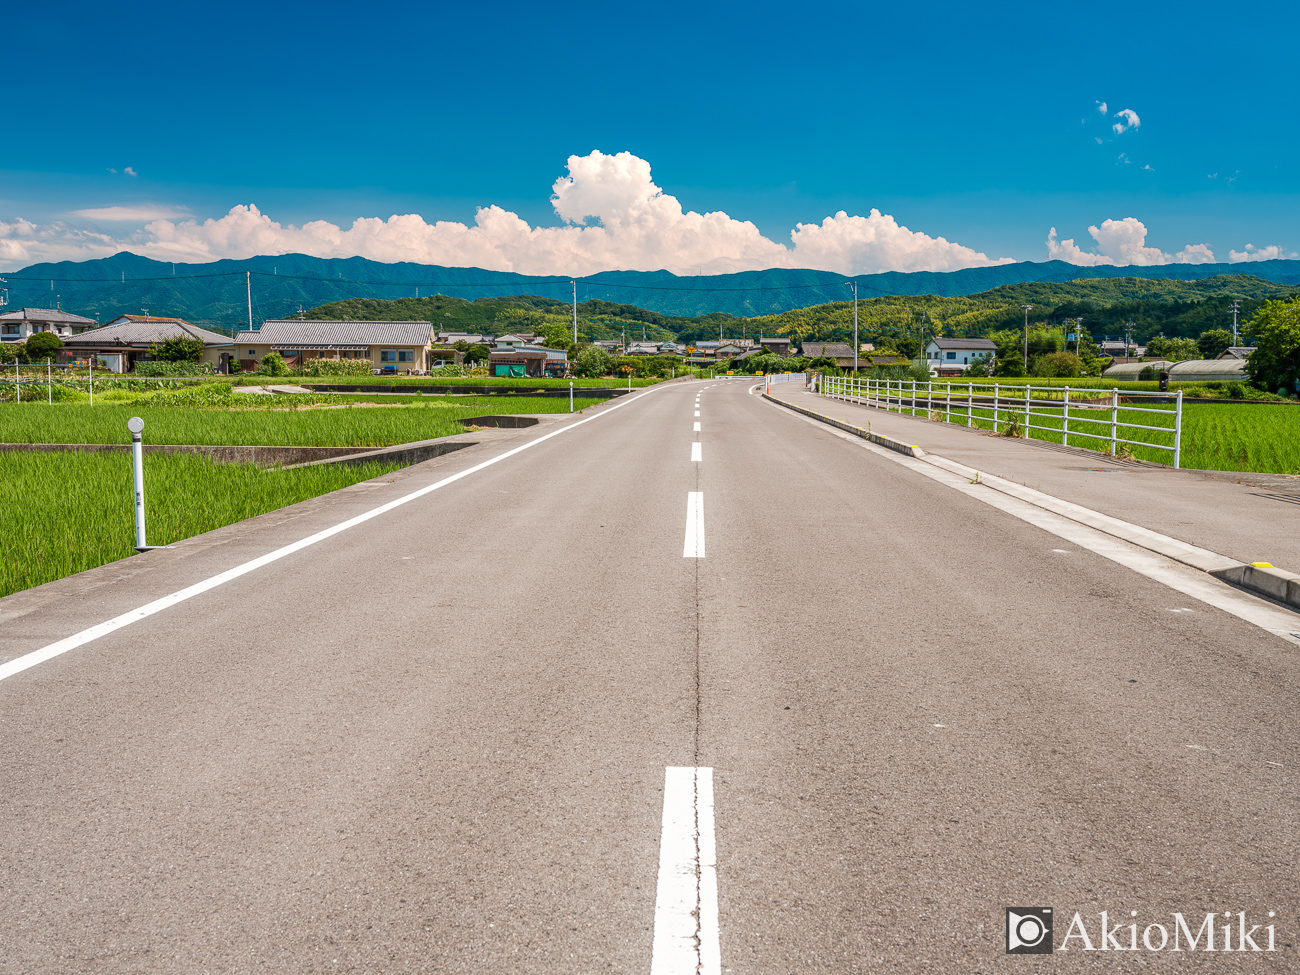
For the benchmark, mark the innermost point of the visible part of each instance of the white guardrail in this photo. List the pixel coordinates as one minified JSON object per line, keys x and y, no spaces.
{"x":1085,"y":414}
{"x":782,"y":377}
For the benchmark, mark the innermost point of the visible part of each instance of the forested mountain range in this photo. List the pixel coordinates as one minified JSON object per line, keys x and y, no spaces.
{"x":215,"y":294}
{"x":1106,"y":305}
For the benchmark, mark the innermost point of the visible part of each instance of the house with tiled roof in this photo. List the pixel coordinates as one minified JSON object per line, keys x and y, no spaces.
{"x":22,"y":324}
{"x":841,"y":352}
{"x":128,"y":339}
{"x":394,"y":347}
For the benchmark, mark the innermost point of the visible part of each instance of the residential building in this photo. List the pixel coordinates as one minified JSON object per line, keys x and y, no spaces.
{"x":128,"y":339}
{"x":841,"y":352}
{"x":20,"y":325}
{"x":777,"y":346}
{"x":950,"y":356}
{"x":393,"y":347}
{"x":1236,"y":352}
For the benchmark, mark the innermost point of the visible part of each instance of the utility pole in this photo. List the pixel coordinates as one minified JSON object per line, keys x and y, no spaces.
{"x":1128,"y":339}
{"x":248,"y":283}
{"x":1235,"y":303}
{"x":854,"y":285}
{"x":1028,"y":309}
{"x":1078,"y":334}
{"x":575,"y":311}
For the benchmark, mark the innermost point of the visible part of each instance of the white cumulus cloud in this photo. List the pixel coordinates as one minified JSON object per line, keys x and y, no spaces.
{"x":1122,"y":243}
{"x":1130,"y":121}
{"x":1252,"y":253}
{"x":130,"y":172}
{"x":614,"y":218}
{"x":1101,"y":107}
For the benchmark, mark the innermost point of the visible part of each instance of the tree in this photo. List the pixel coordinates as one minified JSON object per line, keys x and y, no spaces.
{"x":42,"y":346}
{"x":1062,"y":365}
{"x":273,"y":364}
{"x":178,"y":348}
{"x":1012,"y":366}
{"x":557,"y":335}
{"x":10,"y":351}
{"x":1275,"y":363}
{"x":1175,"y":350}
{"x":593,"y":362}
{"x":476,"y":353}
{"x":982,"y":364}
{"x":1214,"y":343}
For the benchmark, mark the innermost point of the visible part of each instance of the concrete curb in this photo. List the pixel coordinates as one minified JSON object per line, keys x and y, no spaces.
{"x":911,"y":450}
{"x":1260,"y":578}
{"x":1265,"y":580}
{"x":404,"y":453}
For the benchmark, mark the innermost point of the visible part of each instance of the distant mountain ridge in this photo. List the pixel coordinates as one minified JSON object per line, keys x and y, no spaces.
{"x":215,"y":293}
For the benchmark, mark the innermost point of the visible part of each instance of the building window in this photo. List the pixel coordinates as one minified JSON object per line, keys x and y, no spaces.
{"x":388,"y":355}
{"x":952,"y":355}
{"x":406,"y":355}
{"x":252,"y":352}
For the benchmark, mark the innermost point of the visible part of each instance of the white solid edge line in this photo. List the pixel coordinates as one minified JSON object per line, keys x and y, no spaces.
{"x":686,"y":939}
{"x":693,"y":547}
{"x":1176,"y":575}
{"x":28,"y":660}
{"x":696,"y":449}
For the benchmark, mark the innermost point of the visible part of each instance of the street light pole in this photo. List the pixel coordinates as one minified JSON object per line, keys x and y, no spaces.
{"x":1028,"y":309}
{"x":854,"y":286}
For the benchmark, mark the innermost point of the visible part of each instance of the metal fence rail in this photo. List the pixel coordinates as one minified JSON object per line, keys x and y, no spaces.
{"x":1085,"y":414}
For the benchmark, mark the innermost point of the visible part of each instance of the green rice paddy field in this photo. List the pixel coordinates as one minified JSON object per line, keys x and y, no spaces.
{"x":346,"y":425}
{"x":1216,"y":437}
{"x":73,"y":511}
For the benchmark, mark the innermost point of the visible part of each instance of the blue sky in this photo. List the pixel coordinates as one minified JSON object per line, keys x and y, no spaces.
{"x":980,"y":125}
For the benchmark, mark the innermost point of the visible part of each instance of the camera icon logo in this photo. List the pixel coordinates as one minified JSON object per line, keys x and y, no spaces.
{"x":1029,"y":930}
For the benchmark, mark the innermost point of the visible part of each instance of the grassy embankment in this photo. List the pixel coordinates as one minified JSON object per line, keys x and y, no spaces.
{"x":72,"y":512}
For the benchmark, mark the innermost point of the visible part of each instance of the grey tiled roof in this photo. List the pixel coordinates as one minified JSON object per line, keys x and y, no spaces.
{"x":947,"y":343}
{"x":831,"y":350}
{"x":145,"y":333}
{"x":292,"y":332}
{"x":44,"y":315}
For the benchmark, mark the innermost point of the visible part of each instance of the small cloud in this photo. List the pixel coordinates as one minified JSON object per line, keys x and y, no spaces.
{"x":112,"y":170}
{"x":1101,"y":107}
{"x":1123,"y":157}
{"x":1147,"y":167}
{"x":1131,"y":121}
{"x":130,"y":172}
{"x":1252,"y":253}
{"x":1098,"y":138}
{"x":1211,"y":175}
{"x":131,"y":214}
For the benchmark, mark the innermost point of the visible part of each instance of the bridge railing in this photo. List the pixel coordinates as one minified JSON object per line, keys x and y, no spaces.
{"x":1098,"y":419}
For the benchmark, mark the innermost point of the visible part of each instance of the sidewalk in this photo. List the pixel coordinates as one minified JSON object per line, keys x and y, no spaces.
{"x":1249,"y":517}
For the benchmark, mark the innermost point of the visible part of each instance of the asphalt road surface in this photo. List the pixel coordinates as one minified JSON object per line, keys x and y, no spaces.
{"x":439,"y":741}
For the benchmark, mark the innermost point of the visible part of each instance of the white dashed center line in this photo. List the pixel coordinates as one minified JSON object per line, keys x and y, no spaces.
{"x":695,"y":451}
{"x":694,"y":546}
{"x":686,"y":938}
{"x":697,"y":426}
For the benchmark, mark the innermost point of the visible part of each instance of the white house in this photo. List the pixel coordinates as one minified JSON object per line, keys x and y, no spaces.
{"x":955,"y":355}
{"x":20,"y":325}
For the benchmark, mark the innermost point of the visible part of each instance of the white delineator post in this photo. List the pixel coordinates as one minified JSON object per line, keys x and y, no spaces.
{"x":570,"y":395}
{"x":92,"y":379}
{"x":136,"y":426}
